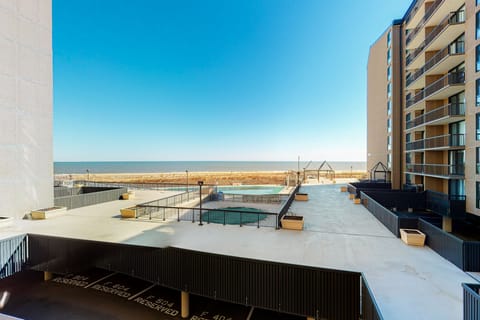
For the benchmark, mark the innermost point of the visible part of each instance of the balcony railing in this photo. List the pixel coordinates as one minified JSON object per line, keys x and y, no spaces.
{"x":443,"y":170}
{"x":455,"y":48}
{"x":445,"y":141}
{"x":449,"y":110}
{"x":414,"y":10}
{"x":451,"y":19}
{"x":449,"y":79}
{"x":425,"y":18}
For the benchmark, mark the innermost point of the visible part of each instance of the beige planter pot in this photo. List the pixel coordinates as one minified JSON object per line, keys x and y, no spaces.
{"x":351,"y":196}
{"x":129,"y":212}
{"x":357,"y":201}
{"x":47,"y":213}
{"x":343,"y":189}
{"x":301,"y":197}
{"x":125,"y":196}
{"x":292,"y":222}
{"x":413,"y":237}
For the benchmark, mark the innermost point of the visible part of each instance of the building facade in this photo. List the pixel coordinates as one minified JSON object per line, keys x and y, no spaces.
{"x":26,"y":165}
{"x":384,"y":116}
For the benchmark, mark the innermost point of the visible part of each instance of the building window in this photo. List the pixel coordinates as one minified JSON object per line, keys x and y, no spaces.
{"x":389,"y":56}
{"x":389,"y":90}
{"x":389,"y":160}
{"x":389,"y":71}
{"x":389,"y":125}
{"x":477,"y":59}
{"x":478,"y":196}
{"x":408,"y":137}
{"x":477,"y":24}
{"x":478,"y":126}
{"x":477,"y":86}
{"x":389,"y":143}
{"x":408,"y":158}
{"x":478,"y":161}
{"x":389,"y":107}
{"x":389,"y":38}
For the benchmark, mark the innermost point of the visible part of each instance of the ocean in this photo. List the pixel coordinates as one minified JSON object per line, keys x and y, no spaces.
{"x":203,"y":166}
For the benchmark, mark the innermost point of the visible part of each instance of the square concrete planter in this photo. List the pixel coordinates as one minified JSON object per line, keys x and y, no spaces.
{"x":357,"y":201}
{"x":343,"y":189}
{"x":292,"y":222}
{"x":413,"y":237}
{"x":129,"y":212}
{"x":351,"y":196}
{"x":301,"y":197}
{"x":125,"y":196}
{"x":47,"y":213}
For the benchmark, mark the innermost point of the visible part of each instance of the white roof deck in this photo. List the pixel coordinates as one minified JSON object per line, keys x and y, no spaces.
{"x":407,"y":282}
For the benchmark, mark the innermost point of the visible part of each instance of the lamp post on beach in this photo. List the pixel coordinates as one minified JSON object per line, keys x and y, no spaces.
{"x":200,"y":184}
{"x":186,"y":171}
{"x":88,"y":175}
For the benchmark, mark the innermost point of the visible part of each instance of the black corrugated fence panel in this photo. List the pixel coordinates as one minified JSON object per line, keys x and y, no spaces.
{"x":471,"y":256}
{"x":471,"y":301}
{"x":294,"y":289}
{"x":370,"y":310}
{"x":445,"y":244}
{"x":387,"y":218}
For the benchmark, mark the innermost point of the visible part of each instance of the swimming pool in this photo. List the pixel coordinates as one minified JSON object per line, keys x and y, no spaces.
{"x":250,"y":190}
{"x":233,"y":215}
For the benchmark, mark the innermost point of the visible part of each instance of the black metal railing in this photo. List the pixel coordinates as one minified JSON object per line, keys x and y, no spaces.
{"x":455,"y":48}
{"x":13,"y":255}
{"x":414,"y":10}
{"x":449,"y":110}
{"x":451,"y":19}
{"x":471,"y":301}
{"x":445,"y":141}
{"x":426,"y":16}
{"x":452,"y":78}
{"x":443,"y":170}
{"x":287,"y":205}
{"x":208,"y":215}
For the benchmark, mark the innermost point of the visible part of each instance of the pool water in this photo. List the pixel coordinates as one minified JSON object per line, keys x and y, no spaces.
{"x":246,"y":215}
{"x":250,"y":190}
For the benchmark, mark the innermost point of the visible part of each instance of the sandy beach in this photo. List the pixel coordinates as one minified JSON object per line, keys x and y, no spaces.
{"x":222,"y":178}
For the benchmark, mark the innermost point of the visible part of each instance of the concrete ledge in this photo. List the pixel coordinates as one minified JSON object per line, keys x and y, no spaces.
{"x":47,"y":213}
{"x":6,"y":221}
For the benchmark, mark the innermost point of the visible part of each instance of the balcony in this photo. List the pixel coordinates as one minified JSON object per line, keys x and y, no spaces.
{"x":412,"y":41}
{"x":442,"y":115}
{"x":450,"y":84}
{"x":437,"y":170}
{"x":440,"y":63}
{"x":447,"y":30}
{"x":416,"y":14}
{"x":445,"y":142}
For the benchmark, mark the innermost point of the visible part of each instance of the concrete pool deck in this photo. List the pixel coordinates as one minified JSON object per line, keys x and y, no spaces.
{"x":407,"y":282}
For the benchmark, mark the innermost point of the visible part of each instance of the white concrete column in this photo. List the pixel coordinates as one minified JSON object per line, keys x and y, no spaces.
{"x":185,"y":304}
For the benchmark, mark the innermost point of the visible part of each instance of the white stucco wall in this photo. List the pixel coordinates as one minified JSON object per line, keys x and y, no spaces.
{"x":26,"y":164}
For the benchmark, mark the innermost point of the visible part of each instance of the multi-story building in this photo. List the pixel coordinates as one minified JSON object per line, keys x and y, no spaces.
{"x":437,"y":111}
{"x":26,"y":115}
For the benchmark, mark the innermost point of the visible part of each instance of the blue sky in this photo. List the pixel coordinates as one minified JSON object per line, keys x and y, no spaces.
{"x":213,"y":80}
